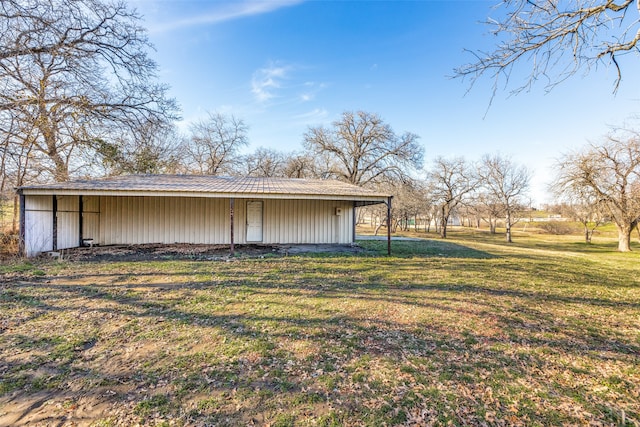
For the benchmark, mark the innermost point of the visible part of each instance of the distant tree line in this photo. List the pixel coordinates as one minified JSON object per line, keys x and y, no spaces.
{"x":492,"y":189}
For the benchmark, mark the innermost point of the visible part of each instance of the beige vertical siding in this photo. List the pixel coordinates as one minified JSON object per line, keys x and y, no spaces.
{"x":68,"y":220}
{"x":135,"y":220}
{"x":38,"y":228}
{"x":38,"y":232}
{"x":91,"y":218}
{"x":38,"y":203}
{"x":307,"y":221}
{"x":38,"y":224}
{"x":240,"y":221}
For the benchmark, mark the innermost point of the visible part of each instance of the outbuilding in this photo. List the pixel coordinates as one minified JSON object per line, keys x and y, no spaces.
{"x":198,"y":209}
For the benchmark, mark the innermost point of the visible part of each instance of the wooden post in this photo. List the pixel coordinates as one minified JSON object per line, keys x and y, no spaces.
{"x":80,"y":223}
{"x":55,"y":223}
{"x":231,"y":208}
{"x":389,"y":225}
{"x":23,"y":210}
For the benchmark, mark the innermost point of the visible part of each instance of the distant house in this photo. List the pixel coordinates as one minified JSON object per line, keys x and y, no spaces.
{"x":137,"y":209}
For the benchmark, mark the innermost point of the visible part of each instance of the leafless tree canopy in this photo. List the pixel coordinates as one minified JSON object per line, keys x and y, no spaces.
{"x":557,"y":39}
{"x":214,"y":145}
{"x":267,"y":162}
{"x":361,"y":149}
{"x":300,"y":165}
{"x":450,"y":182}
{"x":71,"y":70}
{"x":505,"y":183}
{"x":609,"y":173}
{"x":264,"y":162}
{"x":488,"y":208}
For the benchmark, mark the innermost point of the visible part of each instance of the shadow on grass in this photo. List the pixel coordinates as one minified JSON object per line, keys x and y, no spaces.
{"x":423,"y":248}
{"x":596,"y":247}
{"x":245,"y":319}
{"x":527,"y":240}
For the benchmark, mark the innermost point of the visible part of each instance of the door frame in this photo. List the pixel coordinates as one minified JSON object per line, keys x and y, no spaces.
{"x":261,"y":202}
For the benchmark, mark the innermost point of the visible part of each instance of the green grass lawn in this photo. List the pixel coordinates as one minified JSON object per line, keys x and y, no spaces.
{"x":467,"y":331}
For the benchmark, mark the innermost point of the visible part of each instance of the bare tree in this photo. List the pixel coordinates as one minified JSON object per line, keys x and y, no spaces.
{"x":589,"y":213}
{"x":214,"y":144}
{"x":300,"y":165}
{"x":15,"y":159}
{"x":488,"y":208}
{"x":72,"y":70}
{"x":580,"y":204}
{"x":411,"y":200}
{"x":264,"y":162}
{"x":362,"y":149}
{"x":558,"y":39}
{"x":506,"y":183}
{"x":410,"y":203}
{"x":450,"y":182}
{"x":609,"y":173}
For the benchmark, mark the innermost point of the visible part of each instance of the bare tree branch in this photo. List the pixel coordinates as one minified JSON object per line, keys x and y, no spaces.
{"x":214,"y":144}
{"x":451,"y":181}
{"x":505,"y":183}
{"x":76,"y":70}
{"x":557,"y":39}
{"x":609,"y":173}
{"x":362,"y":149}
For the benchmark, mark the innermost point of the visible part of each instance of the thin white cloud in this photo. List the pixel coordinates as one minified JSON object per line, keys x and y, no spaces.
{"x":280,"y":80}
{"x":266,"y":81}
{"x":225,"y":11}
{"x":311,"y":89}
{"x":313,"y":117}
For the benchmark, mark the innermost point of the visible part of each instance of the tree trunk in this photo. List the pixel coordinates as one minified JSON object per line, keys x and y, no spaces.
{"x":624,"y":237}
{"x":508,"y":226}
{"x":375,"y":233}
{"x":49,"y":133}
{"x":61,"y":173}
{"x":443,"y":224}
{"x":16,"y":215}
{"x":587,"y":235}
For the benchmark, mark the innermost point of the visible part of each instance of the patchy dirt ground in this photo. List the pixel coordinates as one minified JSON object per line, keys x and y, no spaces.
{"x":183,"y":251}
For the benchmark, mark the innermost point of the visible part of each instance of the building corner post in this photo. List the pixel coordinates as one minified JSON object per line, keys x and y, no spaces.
{"x":80,"y":221}
{"x":55,"y":223}
{"x":389,"y":225}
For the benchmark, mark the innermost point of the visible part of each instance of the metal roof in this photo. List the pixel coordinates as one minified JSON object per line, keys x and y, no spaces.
{"x":210,"y":186}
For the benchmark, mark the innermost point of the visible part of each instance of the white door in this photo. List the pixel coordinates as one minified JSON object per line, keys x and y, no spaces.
{"x":254,"y":221}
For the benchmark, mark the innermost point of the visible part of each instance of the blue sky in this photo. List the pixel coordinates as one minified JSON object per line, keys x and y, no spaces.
{"x":285,"y":65}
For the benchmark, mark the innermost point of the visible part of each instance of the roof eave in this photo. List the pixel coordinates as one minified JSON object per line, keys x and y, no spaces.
{"x":372,"y":199}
